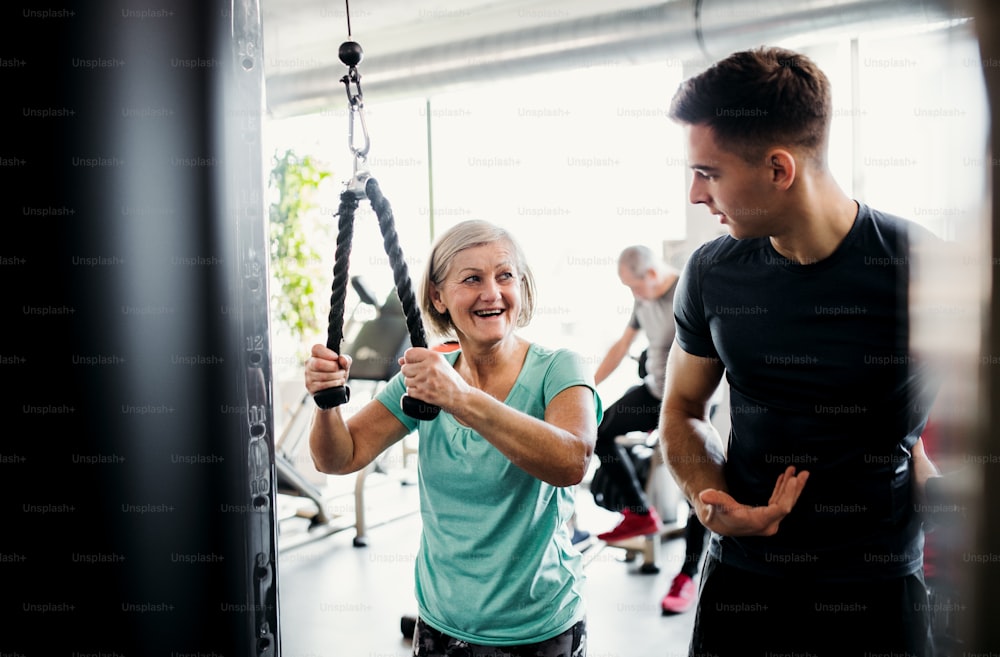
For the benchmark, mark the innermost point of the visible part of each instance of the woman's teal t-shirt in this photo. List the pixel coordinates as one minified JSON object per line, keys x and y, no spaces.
{"x":496,"y":564}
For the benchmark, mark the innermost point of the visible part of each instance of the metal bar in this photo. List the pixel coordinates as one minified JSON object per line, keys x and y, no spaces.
{"x":644,"y":34}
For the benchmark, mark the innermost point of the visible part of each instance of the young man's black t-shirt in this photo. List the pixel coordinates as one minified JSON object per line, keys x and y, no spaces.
{"x":821,"y":377}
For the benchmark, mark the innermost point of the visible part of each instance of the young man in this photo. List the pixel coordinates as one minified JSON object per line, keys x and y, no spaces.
{"x":816,"y":545}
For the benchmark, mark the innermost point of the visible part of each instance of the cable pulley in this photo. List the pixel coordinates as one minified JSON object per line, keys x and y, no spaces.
{"x":361,"y":185}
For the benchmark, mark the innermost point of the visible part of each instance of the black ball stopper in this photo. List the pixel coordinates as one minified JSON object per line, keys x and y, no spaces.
{"x":350,"y":53}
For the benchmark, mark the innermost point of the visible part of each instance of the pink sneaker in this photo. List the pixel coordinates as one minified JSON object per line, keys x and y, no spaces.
{"x":634,"y":524}
{"x":680,"y":597}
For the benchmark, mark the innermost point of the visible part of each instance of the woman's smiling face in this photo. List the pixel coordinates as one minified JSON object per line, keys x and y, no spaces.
{"x":481,"y":292}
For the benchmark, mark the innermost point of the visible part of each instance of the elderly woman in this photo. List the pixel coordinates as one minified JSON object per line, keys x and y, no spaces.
{"x":496,"y":573}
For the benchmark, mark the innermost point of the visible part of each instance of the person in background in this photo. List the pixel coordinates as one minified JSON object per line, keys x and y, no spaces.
{"x":652,"y":284}
{"x":683,"y":591}
{"x":496,"y":572}
{"x":816,"y":543}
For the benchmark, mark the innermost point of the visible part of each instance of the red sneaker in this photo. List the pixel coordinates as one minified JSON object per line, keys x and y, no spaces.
{"x":680,"y":597}
{"x":634,"y":524}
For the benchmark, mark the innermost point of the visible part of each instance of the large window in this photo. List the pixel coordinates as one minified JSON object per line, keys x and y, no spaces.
{"x":577,"y":165}
{"x":580,"y":163}
{"x":920,"y":144}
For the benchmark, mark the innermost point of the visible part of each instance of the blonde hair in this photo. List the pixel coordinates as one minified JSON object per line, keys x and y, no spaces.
{"x":462,"y":236}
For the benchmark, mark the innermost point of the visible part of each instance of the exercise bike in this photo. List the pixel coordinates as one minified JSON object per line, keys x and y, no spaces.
{"x":375,"y":346}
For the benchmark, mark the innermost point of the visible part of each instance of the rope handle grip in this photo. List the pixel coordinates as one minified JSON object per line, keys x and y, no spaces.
{"x":351,"y":54}
{"x":331,"y":397}
{"x":415,"y":408}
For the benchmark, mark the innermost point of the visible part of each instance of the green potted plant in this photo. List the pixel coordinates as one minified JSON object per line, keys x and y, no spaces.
{"x":296,"y":225}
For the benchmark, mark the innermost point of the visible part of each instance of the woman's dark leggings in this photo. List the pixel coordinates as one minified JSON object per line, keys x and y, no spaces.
{"x":429,"y":642}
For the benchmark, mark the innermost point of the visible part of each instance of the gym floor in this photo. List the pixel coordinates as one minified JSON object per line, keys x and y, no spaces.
{"x":337,"y":599}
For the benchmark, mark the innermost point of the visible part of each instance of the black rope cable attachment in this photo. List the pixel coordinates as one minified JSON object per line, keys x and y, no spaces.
{"x":363,"y":185}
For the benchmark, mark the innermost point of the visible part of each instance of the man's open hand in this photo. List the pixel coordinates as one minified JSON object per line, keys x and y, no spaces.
{"x":723,"y":515}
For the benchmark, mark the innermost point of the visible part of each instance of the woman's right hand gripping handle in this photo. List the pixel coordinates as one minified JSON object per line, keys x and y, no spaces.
{"x":326,"y":377}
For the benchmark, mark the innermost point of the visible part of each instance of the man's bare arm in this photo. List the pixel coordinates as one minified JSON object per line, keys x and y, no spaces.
{"x":695,"y":454}
{"x":692,"y":448}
